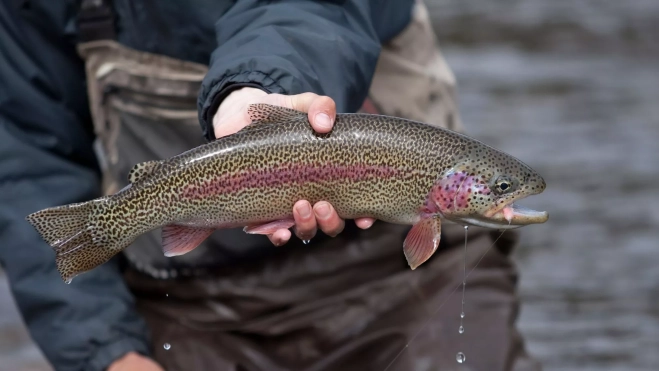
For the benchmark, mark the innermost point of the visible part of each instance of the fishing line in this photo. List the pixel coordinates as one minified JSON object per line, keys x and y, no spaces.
{"x":425,"y":324}
{"x":464,"y":281}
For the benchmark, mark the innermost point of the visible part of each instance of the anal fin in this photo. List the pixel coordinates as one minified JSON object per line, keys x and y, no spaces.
{"x":179,"y":239}
{"x":422,"y":241}
{"x":269,"y":227}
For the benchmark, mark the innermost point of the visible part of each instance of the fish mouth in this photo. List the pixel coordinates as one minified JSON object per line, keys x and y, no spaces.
{"x":508,"y":217}
{"x":520,"y":215}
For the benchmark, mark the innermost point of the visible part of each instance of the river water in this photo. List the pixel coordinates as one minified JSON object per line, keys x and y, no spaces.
{"x":572,"y":88}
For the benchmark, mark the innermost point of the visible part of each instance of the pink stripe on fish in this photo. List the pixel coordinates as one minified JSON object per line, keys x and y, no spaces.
{"x":287,"y":174}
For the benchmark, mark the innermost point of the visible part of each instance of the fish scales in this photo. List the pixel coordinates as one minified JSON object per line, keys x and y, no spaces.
{"x":260,"y":173}
{"x":388,"y":168}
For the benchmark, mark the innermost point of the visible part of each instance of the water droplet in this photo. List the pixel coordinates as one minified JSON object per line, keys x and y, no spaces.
{"x":167,"y":295}
{"x":68,"y":281}
{"x":462,"y":315}
{"x":306,"y":242}
{"x":167,"y":346}
{"x":461,"y":329}
{"x":460,"y":357}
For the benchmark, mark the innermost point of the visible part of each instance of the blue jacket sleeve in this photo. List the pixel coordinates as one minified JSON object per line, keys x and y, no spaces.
{"x":291,"y":47}
{"x":46,"y":160}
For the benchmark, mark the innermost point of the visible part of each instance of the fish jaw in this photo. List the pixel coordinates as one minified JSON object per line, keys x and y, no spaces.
{"x":509,"y":217}
{"x":520,"y":215}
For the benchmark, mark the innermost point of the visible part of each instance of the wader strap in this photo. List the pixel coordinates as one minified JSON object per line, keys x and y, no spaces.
{"x":96,"y":21}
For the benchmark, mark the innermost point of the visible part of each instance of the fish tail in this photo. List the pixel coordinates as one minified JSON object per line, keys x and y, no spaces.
{"x":71,"y":232}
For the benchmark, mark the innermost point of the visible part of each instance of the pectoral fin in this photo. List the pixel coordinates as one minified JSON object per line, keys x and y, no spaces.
{"x":179,"y":239}
{"x":422,"y":241}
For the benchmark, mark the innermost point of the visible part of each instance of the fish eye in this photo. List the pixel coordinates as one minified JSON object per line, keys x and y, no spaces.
{"x":503,"y":184}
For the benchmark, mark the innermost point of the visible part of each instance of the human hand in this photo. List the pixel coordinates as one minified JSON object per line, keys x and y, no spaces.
{"x":134,"y":362}
{"x":232,"y":116}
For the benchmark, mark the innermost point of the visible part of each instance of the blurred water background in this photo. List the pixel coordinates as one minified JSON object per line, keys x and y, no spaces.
{"x":572,"y":88}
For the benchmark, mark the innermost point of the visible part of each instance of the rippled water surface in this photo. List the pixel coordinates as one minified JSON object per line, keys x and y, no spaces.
{"x":572,"y":88}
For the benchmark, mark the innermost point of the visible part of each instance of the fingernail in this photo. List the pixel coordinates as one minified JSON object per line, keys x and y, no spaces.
{"x":304,"y":210}
{"x":323,"y":210}
{"x":367,"y":224}
{"x":322,"y":120}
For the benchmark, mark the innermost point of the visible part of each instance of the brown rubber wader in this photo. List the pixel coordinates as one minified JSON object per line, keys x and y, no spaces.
{"x":344,"y":303}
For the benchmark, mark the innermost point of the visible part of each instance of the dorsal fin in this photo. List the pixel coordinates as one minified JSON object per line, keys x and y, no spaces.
{"x":142,"y":171}
{"x":263,"y":113}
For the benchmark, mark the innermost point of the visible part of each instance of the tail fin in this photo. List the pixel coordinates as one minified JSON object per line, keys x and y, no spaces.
{"x":69,"y":230}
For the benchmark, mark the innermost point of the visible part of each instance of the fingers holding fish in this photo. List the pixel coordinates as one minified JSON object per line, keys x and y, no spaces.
{"x":305,"y":220}
{"x":328,"y":219}
{"x":308,"y":220}
{"x":321,"y":109}
{"x":232,"y":114}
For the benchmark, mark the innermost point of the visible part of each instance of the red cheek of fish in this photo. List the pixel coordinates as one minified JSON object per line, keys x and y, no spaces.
{"x":456,"y":192}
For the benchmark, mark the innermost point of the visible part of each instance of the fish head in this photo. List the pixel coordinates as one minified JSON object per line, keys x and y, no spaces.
{"x":482,"y":187}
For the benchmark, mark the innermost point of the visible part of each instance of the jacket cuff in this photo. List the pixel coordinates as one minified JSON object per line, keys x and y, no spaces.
{"x":104,"y":356}
{"x":221,"y":89}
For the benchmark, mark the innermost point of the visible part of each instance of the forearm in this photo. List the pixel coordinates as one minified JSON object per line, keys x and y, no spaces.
{"x":329,"y":48}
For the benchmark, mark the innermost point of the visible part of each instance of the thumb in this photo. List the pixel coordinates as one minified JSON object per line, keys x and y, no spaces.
{"x":321,"y":110}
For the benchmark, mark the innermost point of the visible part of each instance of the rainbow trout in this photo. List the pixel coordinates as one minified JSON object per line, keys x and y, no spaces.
{"x":388,"y":168}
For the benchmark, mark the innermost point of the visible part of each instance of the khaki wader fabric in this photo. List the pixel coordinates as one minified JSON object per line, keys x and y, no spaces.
{"x":344,"y":303}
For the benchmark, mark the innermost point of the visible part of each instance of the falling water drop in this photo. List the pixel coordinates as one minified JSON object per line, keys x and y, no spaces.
{"x":306,"y":242}
{"x":464,"y":281}
{"x":460,"y":357}
{"x":167,"y":346}
{"x":68,"y":281}
{"x":167,"y":295}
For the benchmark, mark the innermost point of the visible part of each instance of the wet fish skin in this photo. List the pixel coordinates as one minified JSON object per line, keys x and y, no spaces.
{"x":391,"y":169}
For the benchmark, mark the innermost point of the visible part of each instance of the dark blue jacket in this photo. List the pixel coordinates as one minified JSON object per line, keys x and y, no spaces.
{"x":46,"y":158}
